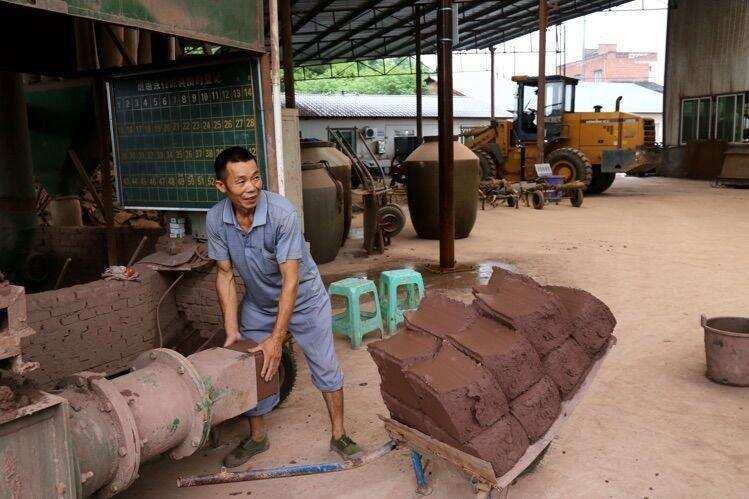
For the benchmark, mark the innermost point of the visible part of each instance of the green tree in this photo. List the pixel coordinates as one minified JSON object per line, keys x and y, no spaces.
{"x":363,"y":77}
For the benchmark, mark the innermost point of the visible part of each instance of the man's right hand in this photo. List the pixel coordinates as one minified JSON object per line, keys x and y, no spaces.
{"x":231,"y":338}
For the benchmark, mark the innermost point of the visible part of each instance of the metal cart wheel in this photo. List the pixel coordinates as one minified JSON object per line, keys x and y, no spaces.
{"x":392,"y":218}
{"x":538,"y":200}
{"x":576,"y":198}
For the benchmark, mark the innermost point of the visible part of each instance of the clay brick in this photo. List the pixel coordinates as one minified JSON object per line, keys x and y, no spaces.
{"x":119,"y":304}
{"x":439,"y":315}
{"x":459,"y":395}
{"x":567,"y":366}
{"x":525,"y":306}
{"x":538,"y":408}
{"x":591,"y":320}
{"x":396,"y":353}
{"x":48,"y":325}
{"x":503,"y":444}
{"x":506,"y":353}
{"x":264,"y":388}
{"x":68,"y":308}
{"x":102,"y":298}
{"x":36,"y":316}
{"x":66,"y":320}
{"x":103,"y":309}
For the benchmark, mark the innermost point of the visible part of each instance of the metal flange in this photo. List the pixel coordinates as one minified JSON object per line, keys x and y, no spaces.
{"x":200,"y":423}
{"x":114,"y":403}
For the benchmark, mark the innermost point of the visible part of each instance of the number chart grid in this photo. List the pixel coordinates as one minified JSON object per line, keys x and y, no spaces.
{"x":169,"y":127}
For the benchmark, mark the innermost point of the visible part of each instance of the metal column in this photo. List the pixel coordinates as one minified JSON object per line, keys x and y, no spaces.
{"x":275,"y":82}
{"x":445,"y":127}
{"x":101,"y":109}
{"x":491,"y":91}
{"x":419,"y":82}
{"x":284,"y":11}
{"x":541,"y":106}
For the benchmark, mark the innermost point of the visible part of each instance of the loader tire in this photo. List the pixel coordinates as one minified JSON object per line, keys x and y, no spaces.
{"x":572,"y":164}
{"x":601,"y":181}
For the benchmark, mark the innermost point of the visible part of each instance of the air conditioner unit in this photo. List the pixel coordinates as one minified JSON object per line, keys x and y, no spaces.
{"x":368,"y":132}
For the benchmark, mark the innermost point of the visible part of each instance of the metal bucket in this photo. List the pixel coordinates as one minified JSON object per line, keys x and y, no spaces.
{"x":727,"y":349}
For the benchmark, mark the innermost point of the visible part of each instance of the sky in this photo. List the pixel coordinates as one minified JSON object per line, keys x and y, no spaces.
{"x":637,"y":26}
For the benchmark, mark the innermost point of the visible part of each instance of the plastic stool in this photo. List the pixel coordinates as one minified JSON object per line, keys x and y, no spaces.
{"x":355,"y":323}
{"x":390,"y":281}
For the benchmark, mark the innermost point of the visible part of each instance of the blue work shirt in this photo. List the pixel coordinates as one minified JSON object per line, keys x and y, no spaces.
{"x":274,"y":237}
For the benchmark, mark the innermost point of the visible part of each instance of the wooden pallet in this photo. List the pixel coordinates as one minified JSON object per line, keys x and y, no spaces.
{"x":479,"y":471}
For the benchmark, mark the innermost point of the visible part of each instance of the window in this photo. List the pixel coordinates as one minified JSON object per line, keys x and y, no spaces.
{"x":695,"y":119}
{"x":598,"y":75}
{"x":348,"y":135}
{"x":730,"y":117}
{"x":569,"y":98}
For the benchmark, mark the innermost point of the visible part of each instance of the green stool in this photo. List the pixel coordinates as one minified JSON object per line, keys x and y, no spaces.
{"x":390,"y":281}
{"x":355,"y":323}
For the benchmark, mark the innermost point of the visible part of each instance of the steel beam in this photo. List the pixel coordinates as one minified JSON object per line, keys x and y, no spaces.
{"x":419,"y":82}
{"x":541,"y":99}
{"x":284,"y":13}
{"x":445,"y":130}
{"x":311,"y":13}
{"x":338,"y":24}
{"x":372,"y":22}
{"x":491,"y":82}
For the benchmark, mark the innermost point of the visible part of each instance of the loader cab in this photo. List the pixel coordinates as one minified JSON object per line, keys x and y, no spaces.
{"x":560,"y":99}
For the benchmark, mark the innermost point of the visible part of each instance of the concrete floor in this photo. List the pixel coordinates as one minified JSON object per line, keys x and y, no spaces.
{"x":659,"y":252}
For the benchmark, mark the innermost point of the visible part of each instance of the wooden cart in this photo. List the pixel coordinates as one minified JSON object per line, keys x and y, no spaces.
{"x":480,"y":472}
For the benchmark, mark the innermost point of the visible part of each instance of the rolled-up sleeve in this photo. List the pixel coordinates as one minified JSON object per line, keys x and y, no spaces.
{"x":289,"y":239}
{"x":217,"y":246}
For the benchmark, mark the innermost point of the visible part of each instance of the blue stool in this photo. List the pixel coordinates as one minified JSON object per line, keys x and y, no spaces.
{"x":355,"y":323}
{"x":390,"y":281}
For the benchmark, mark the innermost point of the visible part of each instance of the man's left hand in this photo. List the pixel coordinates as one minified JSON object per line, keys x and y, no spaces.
{"x":271,"y":348}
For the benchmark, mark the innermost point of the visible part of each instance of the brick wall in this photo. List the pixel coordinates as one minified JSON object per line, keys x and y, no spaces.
{"x":87,"y":247}
{"x":197,"y":300}
{"x":101,"y":326}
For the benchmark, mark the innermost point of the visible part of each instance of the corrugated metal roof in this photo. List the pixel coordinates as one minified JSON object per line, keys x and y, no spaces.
{"x":383,"y":106}
{"x":475,"y":104}
{"x":635,"y":98}
{"x":346,"y":30}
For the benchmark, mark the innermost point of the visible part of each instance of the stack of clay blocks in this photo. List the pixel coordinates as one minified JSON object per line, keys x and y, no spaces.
{"x":489,"y":378}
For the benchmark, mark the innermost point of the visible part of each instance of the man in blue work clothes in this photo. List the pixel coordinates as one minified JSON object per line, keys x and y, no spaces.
{"x":258,"y":233}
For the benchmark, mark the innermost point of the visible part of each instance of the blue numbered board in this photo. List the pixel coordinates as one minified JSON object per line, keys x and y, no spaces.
{"x":168,"y":126}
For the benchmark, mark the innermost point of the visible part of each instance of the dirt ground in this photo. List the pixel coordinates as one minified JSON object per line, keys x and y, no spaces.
{"x":659,"y":252}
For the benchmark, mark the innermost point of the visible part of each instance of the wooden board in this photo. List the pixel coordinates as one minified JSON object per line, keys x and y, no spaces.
{"x":478,"y":468}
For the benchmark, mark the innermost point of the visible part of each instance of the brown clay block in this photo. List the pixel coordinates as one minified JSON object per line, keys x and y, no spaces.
{"x":460,"y":396}
{"x":528,"y":308}
{"x":264,"y":388}
{"x":567,"y":366}
{"x":506,"y":353}
{"x":538,"y":408}
{"x":394,"y":354}
{"x":403,"y":412}
{"x":502,"y":445}
{"x":413,"y":418}
{"x":591,"y":320}
{"x":501,"y":277}
{"x":439,"y":315}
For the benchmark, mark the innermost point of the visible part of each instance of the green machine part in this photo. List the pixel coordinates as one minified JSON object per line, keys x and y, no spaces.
{"x":234,"y":23}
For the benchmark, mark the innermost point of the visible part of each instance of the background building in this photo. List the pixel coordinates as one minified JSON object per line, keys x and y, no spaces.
{"x":707,"y":77}
{"x":606,"y":64}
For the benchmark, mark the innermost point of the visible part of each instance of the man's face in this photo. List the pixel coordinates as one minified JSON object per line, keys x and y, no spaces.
{"x":242,"y":185}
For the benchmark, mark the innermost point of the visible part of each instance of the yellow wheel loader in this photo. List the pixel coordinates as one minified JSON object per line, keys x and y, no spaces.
{"x":590,"y":146}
